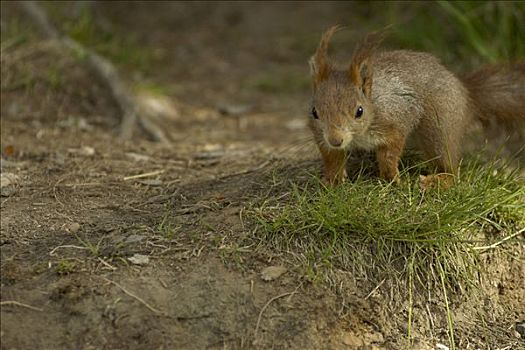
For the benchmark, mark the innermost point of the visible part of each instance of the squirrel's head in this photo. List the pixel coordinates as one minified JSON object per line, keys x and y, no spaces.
{"x":341,"y":104}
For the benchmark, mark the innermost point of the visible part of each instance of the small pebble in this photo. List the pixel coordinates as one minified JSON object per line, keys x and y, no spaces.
{"x":84,"y":151}
{"x":520,"y":328}
{"x":8,"y":183}
{"x":73,"y":227}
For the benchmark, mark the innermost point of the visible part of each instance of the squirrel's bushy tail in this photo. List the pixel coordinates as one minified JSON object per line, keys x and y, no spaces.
{"x":498,"y":96}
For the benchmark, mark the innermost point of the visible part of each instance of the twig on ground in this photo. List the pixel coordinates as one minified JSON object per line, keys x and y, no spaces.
{"x":108,"y":265}
{"x":17,"y":303}
{"x":139,"y":176}
{"x":104,"y":69}
{"x":264,"y":308}
{"x":376,"y":288}
{"x":246,"y":171}
{"x":52,"y":253}
{"x":139,"y":299}
{"x":84,"y":184}
{"x":495,"y":244}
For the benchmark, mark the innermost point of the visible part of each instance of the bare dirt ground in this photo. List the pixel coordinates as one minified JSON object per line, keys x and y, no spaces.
{"x":77,"y":215}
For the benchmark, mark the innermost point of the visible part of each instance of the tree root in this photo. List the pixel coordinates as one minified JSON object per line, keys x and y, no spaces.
{"x":104,"y":70}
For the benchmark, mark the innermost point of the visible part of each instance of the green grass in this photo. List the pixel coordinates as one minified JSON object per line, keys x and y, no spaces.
{"x":165,"y":228}
{"x":65,"y":267}
{"x":121,"y":49}
{"x":468,"y":33}
{"x":14,"y":34}
{"x":477,"y":23}
{"x":377,"y":227}
{"x":420,"y":243}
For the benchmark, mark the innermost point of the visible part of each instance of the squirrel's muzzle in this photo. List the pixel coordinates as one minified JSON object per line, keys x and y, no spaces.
{"x":335,"y":140}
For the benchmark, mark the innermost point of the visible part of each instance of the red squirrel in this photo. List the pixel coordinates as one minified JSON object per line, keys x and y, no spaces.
{"x":384,"y":97}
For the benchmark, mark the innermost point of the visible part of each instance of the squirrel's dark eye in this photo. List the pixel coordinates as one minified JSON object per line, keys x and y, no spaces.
{"x":359,"y":112}
{"x":314,"y":113}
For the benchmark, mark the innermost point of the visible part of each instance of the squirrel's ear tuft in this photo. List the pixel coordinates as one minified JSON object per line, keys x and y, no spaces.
{"x":361,"y":67}
{"x":319,"y":64}
{"x":314,"y":66}
{"x":361,"y":75}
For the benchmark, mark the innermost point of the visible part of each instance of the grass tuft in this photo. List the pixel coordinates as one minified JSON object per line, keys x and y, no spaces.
{"x":65,"y":267}
{"x":396,"y":232}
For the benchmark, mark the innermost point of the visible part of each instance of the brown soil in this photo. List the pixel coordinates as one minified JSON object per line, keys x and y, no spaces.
{"x":74,"y":219}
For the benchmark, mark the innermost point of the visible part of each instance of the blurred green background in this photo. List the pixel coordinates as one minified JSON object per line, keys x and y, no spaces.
{"x":225,"y":50}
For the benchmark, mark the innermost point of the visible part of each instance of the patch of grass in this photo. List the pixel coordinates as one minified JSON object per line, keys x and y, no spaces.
{"x":13,"y":34}
{"x":93,"y":249}
{"x":120,"y":49}
{"x":464,"y":32}
{"x":477,"y":22}
{"x":165,"y":228}
{"x":395,"y":232}
{"x":54,"y":78}
{"x":65,"y":267}
{"x":420,"y":243}
{"x":21,"y":77}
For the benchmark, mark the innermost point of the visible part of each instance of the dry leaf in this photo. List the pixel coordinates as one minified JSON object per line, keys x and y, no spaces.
{"x":272,"y":272}
{"x":8,"y":182}
{"x":139,"y":259}
{"x":9,"y":151}
{"x":84,"y":151}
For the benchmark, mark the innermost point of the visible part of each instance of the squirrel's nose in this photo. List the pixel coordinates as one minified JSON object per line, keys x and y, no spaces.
{"x":335,"y":141}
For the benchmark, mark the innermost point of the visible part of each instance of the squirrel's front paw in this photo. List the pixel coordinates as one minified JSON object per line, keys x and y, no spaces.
{"x":334,"y":179}
{"x":443,"y":181}
{"x":391,"y":176}
{"x":397,"y":179}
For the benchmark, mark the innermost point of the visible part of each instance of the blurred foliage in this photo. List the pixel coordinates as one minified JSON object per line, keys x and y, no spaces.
{"x":286,"y":81}
{"x":479,"y":22}
{"x":14,"y":33}
{"x":120,"y":48}
{"x":464,"y":32}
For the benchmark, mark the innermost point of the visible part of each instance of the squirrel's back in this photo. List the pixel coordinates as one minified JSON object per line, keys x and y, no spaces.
{"x":410,"y":86}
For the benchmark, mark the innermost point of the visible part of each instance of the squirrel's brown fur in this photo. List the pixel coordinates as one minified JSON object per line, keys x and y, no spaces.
{"x":497,"y":94}
{"x":382,"y":98}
